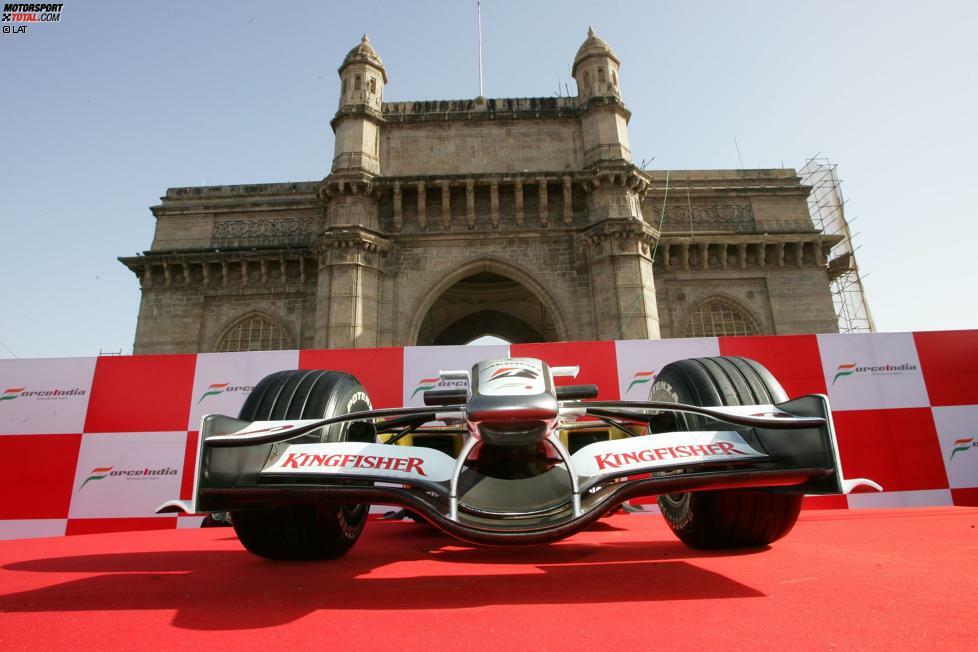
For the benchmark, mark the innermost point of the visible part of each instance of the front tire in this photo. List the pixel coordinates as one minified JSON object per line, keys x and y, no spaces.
{"x":732,"y":518}
{"x":309,"y":530}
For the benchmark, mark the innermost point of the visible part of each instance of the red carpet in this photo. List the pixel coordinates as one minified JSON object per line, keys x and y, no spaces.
{"x":881,"y":580}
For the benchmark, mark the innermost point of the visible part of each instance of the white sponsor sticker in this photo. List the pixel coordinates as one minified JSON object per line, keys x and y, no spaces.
{"x":957,"y":431}
{"x":922,"y":498}
{"x":32,"y":528}
{"x":649,"y":452}
{"x":223,"y":381}
{"x":422,"y":364}
{"x":127,"y":474}
{"x":511,"y":377}
{"x":872,"y":371}
{"x":44,"y":396}
{"x":357,"y":458}
{"x":189,"y":522}
{"x":640,"y":361}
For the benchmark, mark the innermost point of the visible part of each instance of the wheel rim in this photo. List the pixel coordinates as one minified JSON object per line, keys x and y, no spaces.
{"x":676,"y":500}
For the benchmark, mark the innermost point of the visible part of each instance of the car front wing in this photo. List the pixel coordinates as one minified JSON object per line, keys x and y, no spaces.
{"x":788,"y":447}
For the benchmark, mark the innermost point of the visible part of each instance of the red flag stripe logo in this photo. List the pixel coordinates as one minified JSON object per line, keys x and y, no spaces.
{"x":213,"y":390}
{"x":425,"y":384}
{"x":962,"y":445}
{"x":11,"y":393}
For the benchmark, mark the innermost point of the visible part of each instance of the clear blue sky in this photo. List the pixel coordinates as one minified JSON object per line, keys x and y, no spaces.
{"x":120,"y":100}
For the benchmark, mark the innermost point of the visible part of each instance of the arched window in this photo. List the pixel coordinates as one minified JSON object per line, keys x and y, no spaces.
{"x":356,"y":82}
{"x":718,"y":316}
{"x":255,"y":332}
{"x":600,"y":75}
{"x":587,"y":83}
{"x":373,"y":85}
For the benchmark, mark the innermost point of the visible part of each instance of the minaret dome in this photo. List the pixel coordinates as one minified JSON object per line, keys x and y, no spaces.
{"x":362,"y":77}
{"x":596,"y":69}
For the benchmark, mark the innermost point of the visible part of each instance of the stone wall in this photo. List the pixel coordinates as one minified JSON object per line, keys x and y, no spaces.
{"x":782,"y":302}
{"x":801,"y":303}
{"x":743,"y":201}
{"x":193,"y":319}
{"x":273,"y":214}
{"x":765,"y":209}
{"x":169,"y":321}
{"x":510,"y":146}
{"x":287,"y":308}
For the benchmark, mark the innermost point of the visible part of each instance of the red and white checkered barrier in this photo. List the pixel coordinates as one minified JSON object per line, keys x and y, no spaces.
{"x":95,"y":444}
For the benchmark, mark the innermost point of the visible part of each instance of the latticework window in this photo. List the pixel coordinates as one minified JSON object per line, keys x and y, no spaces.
{"x":255,"y":333}
{"x":719,"y":316}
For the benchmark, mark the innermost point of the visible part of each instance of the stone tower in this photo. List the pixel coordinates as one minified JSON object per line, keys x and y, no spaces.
{"x":605,"y":118}
{"x":358,"y":120}
{"x":444,"y":220}
{"x":350,"y":250}
{"x":618,"y":241}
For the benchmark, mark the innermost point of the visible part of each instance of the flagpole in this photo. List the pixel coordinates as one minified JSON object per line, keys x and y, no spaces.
{"x":478,"y":9}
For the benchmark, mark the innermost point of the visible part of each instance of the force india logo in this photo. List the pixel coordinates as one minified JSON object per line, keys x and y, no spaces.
{"x":216,"y":389}
{"x":510,"y":377}
{"x":103,"y":472}
{"x":963,"y":445}
{"x":12,"y":393}
{"x":430,"y":383}
{"x":514,"y":372}
{"x":425,"y":384}
{"x":619,"y":460}
{"x":640,"y":378}
{"x":850,"y":368}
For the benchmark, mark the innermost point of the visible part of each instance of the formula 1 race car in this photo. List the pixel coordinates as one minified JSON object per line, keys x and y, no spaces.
{"x":509,"y":457}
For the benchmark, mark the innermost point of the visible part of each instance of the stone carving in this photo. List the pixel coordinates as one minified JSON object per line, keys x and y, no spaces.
{"x":263,"y":232}
{"x":716,"y":217}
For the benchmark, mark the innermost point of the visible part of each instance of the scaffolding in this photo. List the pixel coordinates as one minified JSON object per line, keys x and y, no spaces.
{"x":827,"y":208}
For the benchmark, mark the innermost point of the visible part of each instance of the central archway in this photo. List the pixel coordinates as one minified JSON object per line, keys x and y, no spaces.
{"x":488,"y":322}
{"x":487,"y":298}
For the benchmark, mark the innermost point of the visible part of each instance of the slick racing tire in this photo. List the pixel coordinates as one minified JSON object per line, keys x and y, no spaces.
{"x":733,"y":518}
{"x":308,"y":530}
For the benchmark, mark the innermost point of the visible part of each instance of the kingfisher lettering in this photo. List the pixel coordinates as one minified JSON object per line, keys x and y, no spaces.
{"x":618,"y":460}
{"x":379,"y":462}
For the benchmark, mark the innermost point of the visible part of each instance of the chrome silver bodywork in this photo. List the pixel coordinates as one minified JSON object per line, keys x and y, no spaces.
{"x":786,"y":447}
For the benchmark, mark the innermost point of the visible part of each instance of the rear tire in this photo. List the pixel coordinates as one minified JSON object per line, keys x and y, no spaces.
{"x":309,"y":530}
{"x":733,"y":518}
